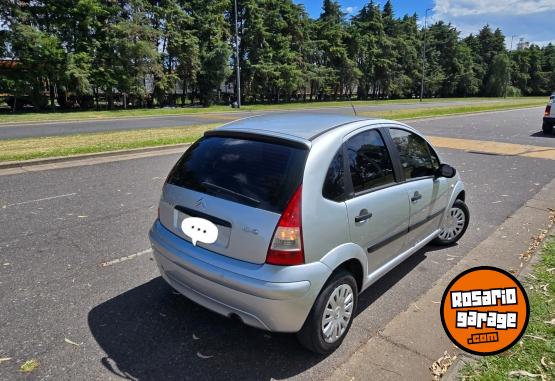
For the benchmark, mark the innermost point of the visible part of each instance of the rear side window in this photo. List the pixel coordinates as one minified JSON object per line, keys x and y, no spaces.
{"x":259,"y":174}
{"x":334,"y":187}
{"x":414,"y":153}
{"x":369,"y":162}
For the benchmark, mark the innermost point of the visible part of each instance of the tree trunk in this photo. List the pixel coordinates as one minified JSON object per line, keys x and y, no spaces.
{"x":52,"y":95}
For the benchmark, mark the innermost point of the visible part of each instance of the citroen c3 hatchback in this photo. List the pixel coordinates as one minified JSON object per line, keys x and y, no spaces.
{"x":283,"y":220}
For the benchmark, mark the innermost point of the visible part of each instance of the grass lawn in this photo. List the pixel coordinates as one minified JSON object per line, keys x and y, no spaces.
{"x":51,"y":146}
{"x":533,"y":357}
{"x":79,"y":115}
{"x":427,"y":112}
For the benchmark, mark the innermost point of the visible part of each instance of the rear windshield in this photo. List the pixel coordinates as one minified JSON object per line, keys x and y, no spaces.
{"x":255,"y":173}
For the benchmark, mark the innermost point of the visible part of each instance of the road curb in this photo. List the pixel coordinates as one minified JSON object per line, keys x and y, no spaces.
{"x":408,"y":345}
{"x":62,"y":159}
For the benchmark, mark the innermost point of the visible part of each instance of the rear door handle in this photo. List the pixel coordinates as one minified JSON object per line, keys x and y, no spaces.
{"x":363,"y":216}
{"x":417,"y":196}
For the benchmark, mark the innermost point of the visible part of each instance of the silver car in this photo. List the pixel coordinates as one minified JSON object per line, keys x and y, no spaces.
{"x":310,"y":210}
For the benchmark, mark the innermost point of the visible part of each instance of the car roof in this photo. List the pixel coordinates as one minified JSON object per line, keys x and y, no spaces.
{"x":306,"y":126}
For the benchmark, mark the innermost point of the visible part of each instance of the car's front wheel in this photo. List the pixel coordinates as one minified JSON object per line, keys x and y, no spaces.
{"x":547,"y":128}
{"x":331,"y":315}
{"x":454,"y":225}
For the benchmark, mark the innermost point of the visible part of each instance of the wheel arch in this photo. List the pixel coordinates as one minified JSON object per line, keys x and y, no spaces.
{"x":349,"y":257}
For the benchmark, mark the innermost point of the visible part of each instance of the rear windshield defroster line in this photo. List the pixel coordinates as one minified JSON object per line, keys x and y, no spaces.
{"x":252,"y":172}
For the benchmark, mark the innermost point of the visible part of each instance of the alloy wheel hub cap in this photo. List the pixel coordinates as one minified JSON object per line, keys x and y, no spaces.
{"x":337,"y":313}
{"x":454,"y":224}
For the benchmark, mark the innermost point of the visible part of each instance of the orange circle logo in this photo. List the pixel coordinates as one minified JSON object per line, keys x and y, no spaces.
{"x":485,"y":310}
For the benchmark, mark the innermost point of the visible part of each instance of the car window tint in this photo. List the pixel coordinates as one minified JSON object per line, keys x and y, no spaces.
{"x":369,"y":161}
{"x":260,"y":174}
{"x":334,"y":187}
{"x":414,"y":154}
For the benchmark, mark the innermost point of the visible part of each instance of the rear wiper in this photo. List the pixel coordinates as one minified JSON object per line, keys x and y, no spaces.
{"x":247,"y":199}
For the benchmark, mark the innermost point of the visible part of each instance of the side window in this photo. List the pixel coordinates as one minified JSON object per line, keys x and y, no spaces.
{"x":334,"y":187}
{"x":435,"y":158}
{"x":369,"y":162}
{"x":415,"y":156}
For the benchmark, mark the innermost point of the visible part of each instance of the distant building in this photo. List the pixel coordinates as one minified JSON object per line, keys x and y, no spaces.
{"x":522,"y":44}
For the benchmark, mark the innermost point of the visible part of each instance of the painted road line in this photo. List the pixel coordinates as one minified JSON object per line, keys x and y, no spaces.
{"x":126,"y":258}
{"x":41,"y":199}
{"x":494,"y":148}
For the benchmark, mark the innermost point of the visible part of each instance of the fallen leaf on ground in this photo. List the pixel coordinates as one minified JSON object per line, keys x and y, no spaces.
{"x":552,"y":322}
{"x":29,"y":366}
{"x":4,"y":359}
{"x":195,"y":337}
{"x":203,"y":356}
{"x":71,"y":342}
{"x":440,"y":366}
{"x":523,"y":373}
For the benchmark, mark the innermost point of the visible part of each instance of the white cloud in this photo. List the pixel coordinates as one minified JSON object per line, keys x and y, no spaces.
{"x":528,"y":19}
{"x":350,"y":10}
{"x":459,"y":8}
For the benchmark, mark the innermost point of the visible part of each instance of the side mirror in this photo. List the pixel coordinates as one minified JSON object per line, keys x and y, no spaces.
{"x":445,"y":170}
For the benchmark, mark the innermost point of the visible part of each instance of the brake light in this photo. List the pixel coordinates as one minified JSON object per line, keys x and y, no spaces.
{"x":547,"y":110}
{"x":286,"y":248}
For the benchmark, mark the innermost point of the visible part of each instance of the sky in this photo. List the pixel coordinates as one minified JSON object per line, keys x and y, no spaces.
{"x":527,"y":19}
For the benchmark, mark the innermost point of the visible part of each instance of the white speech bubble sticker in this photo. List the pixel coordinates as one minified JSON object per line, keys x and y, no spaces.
{"x":199,"y":230}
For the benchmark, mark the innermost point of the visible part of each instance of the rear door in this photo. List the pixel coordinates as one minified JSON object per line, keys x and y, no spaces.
{"x":378,"y":208}
{"x":240,"y":183}
{"x":427,"y":194}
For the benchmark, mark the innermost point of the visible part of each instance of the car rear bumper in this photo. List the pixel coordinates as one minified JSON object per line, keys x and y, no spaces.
{"x":269,"y":297}
{"x":549,"y":120}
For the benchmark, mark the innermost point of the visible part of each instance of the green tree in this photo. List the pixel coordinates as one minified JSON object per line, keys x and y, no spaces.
{"x":214,"y":50}
{"x":331,"y":34}
{"x":497,"y":78}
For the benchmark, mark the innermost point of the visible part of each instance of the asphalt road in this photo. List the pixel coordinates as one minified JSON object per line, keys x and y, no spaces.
{"x":35,"y":129}
{"x":59,"y":226}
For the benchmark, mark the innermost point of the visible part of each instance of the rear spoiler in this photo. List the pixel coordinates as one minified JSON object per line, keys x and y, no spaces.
{"x":260,"y":136}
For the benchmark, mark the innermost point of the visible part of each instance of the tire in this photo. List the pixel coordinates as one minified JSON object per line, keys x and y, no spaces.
{"x":547,"y":128}
{"x":458,"y":211}
{"x":312,"y":334}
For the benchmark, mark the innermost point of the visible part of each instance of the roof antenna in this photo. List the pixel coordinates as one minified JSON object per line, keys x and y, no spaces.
{"x":354,"y":109}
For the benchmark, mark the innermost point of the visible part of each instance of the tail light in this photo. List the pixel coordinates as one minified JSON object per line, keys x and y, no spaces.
{"x":286,"y":248}
{"x":547,"y":110}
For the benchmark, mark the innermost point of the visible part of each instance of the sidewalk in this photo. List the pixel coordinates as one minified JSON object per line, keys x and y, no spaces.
{"x":410,"y":343}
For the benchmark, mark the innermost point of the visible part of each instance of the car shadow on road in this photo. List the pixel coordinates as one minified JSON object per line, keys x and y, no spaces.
{"x":541,"y":134}
{"x":152,"y":333}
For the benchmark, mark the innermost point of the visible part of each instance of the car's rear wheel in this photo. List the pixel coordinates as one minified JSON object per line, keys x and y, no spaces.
{"x":331,"y":315}
{"x":547,"y":128}
{"x":454,"y":225}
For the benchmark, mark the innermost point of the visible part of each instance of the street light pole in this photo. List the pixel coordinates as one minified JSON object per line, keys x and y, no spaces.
{"x":238,"y":70}
{"x":509,"y":68}
{"x":424,"y":55}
